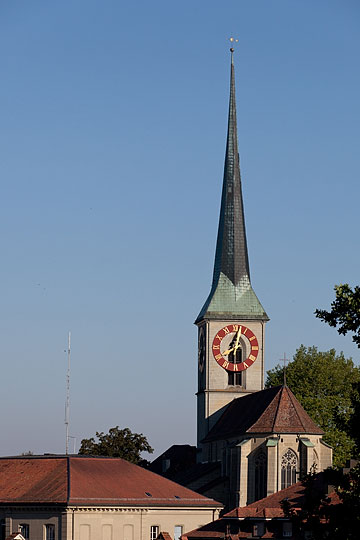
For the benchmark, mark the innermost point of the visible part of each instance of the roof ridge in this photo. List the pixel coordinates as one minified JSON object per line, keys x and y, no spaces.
{"x":277,"y":407}
{"x":294,"y":403}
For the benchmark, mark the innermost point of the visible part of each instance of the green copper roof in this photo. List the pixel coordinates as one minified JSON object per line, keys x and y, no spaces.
{"x":231,"y":295}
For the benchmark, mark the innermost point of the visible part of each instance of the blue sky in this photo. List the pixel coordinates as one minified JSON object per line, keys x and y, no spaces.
{"x":113,"y":126}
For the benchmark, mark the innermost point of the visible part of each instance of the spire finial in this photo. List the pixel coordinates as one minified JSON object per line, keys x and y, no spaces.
{"x":284,"y":360}
{"x":232,"y":41}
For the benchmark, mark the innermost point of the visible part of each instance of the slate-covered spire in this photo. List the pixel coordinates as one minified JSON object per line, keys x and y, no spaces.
{"x":232,"y":296}
{"x":231,"y":250}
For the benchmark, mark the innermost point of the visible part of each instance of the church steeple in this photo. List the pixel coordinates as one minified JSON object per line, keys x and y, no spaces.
{"x":231,"y":295}
{"x":231,"y":251}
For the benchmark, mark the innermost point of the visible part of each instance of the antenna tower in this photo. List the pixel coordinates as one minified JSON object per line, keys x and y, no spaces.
{"x":67,"y":403}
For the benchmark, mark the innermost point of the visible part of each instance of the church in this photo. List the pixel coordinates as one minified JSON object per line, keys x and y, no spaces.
{"x":251,"y":441}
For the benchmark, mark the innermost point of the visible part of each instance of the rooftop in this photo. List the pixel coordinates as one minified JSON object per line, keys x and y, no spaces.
{"x":273,"y":410}
{"x":89,"y":480}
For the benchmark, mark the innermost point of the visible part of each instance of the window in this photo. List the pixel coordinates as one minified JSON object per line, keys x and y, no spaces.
{"x":287,"y":529}
{"x":154,"y":532}
{"x":315,"y":461}
{"x":24,"y":530}
{"x":49,"y":532}
{"x":259,"y":529}
{"x":288,"y":469}
{"x":235,"y":377}
{"x":178,"y":530}
{"x":260,"y":463}
{"x":165,"y":465}
{"x":2,"y":528}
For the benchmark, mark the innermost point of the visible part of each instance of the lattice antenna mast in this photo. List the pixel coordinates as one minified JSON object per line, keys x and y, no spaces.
{"x":67,"y":403}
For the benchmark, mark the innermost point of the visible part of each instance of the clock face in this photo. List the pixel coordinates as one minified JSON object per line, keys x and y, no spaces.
{"x":227,"y":343}
{"x":201,"y":349}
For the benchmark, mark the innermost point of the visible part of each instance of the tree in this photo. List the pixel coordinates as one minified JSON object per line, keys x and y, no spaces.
{"x":118,"y":443}
{"x":322,"y":382}
{"x":345,"y":311}
{"x":337,"y":516}
{"x":352,"y":426}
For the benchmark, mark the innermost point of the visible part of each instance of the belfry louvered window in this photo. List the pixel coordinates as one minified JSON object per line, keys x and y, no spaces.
{"x":288,"y":469}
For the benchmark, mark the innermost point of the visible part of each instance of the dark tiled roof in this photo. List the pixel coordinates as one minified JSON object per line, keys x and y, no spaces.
{"x":164,"y":536}
{"x":273,"y":410}
{"x":199,"y":470}
{"x":90,"y":480}
{"x":180,"y":456}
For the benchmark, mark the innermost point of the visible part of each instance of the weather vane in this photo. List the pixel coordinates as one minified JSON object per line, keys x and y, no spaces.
{"x":233,"y":41}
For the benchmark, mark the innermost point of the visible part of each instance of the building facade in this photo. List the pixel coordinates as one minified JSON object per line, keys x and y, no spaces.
{"x":94,"y":498}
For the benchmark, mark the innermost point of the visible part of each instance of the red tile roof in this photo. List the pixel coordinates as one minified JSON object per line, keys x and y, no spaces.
{"x":273,"y":410}
{"x":265,"y":509}
{"x":164,"y":536}
{"x":33,"y":480}
{"x":270,"y":507}
{"x":90,"y":480}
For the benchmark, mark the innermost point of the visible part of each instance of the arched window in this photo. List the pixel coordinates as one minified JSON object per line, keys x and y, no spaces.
{"x":235,"y":377}
{"x":260,"y":463}
{"x":288,"y":469}
{"x":315,"y":461}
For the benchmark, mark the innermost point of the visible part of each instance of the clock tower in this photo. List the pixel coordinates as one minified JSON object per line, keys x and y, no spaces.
{"x":232,"y":321}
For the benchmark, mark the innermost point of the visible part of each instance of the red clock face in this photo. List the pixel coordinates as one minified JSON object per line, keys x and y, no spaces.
{"x":227,"y":343}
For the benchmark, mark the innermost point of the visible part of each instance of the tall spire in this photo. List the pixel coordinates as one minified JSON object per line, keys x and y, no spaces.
{"x":231,"y":256}
{"x":231,"y":294}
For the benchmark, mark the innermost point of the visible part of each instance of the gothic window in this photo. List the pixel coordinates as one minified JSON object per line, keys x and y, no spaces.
{"x":315,"y":461}
{"x":235,"y":378}
{"x":260,"y":463}
{"x":288,"y":469}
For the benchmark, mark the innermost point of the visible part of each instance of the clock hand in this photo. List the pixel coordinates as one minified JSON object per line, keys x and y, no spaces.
{"x":237,"y":338}
{"x":227,"y":352}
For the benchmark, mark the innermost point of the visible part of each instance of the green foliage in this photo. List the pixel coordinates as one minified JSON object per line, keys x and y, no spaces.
{"x":353,"y":425}
{"x":309,"y":517}
{"x":117,"y":443}
{"x":322,"y":382}
{"x":324,"y":516}
{"x":345,"y":311}
{"x":347,"y":517}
